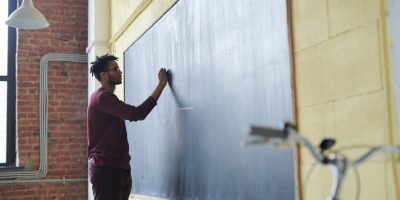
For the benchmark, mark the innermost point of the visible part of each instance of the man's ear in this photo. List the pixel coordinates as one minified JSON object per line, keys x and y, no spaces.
{"x":103,"y":76}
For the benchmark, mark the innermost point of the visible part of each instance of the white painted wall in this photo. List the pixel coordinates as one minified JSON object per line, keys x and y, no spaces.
{"x":99,"y":33}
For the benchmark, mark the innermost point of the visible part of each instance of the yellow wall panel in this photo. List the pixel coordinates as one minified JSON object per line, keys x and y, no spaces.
{"x":316,"y":122}
{"x":120,"y":12}
{"x":391,"y":185}
{"x":143,"y":21}
{"x":316,"y":178}
{"x":343,"y":66}
{"x":370,"y":181}
{"x":342,"y":84}
{"x":356,"y":62}
{"x":310,"y":27}
{"x":349,"y":14}
{"x":312,"y":66}
{"x":362,"y":120}
{"x":366,"y":182}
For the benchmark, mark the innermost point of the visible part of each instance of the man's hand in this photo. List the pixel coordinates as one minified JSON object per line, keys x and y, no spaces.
{"x":163,"y":77}
{"x":163,"y":80}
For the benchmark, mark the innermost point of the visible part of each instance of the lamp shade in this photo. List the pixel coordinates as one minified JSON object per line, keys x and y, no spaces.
{"x":27,"y":17}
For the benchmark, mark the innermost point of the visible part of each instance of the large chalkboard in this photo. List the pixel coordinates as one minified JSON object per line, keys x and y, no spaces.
{"x":230,"y":67}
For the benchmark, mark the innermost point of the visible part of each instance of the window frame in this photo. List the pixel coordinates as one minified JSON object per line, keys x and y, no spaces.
{"x":10,"y":78}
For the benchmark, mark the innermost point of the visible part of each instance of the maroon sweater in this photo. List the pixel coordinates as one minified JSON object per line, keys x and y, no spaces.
{"x":106,"y":131}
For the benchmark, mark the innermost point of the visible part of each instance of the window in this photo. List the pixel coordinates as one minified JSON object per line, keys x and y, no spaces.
{"x":7,"y":86}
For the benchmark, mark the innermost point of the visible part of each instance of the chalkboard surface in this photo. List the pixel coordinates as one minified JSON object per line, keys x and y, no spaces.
{"x":230,"y":67}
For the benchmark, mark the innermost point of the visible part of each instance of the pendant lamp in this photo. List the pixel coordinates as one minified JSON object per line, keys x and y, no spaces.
{"x":27,"y":17}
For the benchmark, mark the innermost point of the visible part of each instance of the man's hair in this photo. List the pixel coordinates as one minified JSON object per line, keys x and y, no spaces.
{"x":100,"y":65}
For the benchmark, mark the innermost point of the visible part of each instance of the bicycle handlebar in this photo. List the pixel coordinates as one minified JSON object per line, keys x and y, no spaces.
{"x":296,"y":137}
{"x":375,"y":150}
{"x":270,"y":135}
{"x":338,"y":165}
{"x":288,"y":133}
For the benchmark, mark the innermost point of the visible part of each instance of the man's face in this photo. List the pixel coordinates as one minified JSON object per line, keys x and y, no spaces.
{"x":114,"y":73}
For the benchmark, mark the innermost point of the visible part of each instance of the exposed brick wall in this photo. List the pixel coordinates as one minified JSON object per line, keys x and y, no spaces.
{"x":67,"y":83}
{"x":36,"y":191}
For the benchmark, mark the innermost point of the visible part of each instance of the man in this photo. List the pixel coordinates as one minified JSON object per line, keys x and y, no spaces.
{"x":108,"y":149}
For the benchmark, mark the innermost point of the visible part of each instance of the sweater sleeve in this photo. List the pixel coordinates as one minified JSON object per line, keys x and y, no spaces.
{"x":109,"y":103}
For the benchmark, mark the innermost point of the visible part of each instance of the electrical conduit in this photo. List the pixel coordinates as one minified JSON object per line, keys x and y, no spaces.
{"x":37,"y":176}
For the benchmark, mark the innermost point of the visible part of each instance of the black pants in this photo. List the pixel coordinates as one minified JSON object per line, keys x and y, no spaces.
{"x":110,"y":183}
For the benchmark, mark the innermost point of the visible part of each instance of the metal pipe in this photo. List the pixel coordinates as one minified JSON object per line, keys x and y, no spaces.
{"x":60,"y":180}
{"x":24,"y":176}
